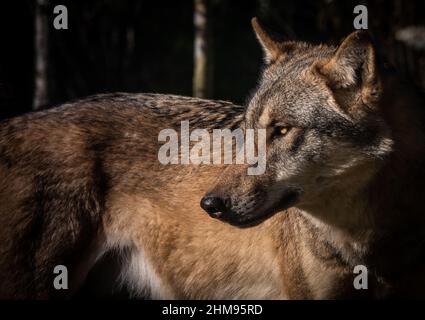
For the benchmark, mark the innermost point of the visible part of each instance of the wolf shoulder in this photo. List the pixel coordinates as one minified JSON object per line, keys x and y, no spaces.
{"x":127,"y":109}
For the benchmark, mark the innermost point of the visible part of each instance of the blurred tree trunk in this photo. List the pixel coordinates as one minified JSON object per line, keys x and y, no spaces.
{"x":40,"y":52}
{"x":203,"y":64}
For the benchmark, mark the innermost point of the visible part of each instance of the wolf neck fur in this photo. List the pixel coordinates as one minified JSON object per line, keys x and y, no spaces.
{"x":361,"y":222}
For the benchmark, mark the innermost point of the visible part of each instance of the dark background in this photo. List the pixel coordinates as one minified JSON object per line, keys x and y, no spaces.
{"x":147,"y":46}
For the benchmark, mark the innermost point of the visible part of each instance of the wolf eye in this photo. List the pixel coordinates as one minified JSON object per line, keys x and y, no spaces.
{"x":281,"y":131}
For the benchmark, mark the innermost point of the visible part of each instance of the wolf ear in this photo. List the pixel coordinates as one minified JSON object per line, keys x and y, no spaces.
{"x":353,"y":64}
{"x":273,"y":49}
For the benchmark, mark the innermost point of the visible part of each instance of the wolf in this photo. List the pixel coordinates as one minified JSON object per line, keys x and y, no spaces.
{"x":343,"y":187}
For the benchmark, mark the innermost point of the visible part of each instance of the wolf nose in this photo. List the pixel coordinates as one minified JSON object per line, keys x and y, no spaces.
{"x":213,"y":205}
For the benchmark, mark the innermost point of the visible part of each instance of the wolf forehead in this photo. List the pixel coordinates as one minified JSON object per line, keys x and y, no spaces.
{"x":284,"y":89}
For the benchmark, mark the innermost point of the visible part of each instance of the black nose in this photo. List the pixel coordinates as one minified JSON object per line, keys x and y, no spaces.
{"x":213,"y":205}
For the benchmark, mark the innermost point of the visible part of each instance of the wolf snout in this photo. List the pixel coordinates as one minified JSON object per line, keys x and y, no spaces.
{"x":214,"y":205}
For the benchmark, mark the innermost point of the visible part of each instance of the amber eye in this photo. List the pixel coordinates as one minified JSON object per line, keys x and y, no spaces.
{"x":281,"y":131}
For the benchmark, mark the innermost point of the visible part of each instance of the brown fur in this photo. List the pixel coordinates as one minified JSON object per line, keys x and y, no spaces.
{"x":84,"y":178}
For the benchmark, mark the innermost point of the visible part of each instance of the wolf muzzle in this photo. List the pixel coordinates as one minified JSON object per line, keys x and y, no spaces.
{"x":213,"y":205}
{"x":219,"y":207}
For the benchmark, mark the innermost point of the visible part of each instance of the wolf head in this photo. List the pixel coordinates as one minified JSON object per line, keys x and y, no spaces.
{"x":326,"y":137}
